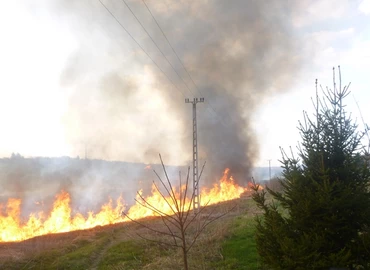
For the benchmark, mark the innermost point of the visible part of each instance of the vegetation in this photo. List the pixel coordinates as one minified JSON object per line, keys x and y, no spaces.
{"x":323,"y":217}
{"x":75,"y":254}
{"x":228,"y":243}
{"x":130,"y":254}
{"x":274,"y":184}
{"x":239,"y":248}
{"x":178,"y":224}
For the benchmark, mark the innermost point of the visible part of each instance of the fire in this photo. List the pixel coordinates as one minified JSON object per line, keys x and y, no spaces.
{"x":138,"y":211}
{"x":61,"y":218}
{"x":225,"y":190}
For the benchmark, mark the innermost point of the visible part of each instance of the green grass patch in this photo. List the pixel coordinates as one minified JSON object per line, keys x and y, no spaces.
{"x":80,"y":258}
{"x":239,"y":248}
{"x":127,"y":254}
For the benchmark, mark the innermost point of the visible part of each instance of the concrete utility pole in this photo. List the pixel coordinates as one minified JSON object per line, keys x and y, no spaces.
{"x":196,"y":201}
{"x":270,"y":169}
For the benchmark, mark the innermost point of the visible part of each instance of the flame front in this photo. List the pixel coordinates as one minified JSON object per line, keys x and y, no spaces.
{"x":225,"y":190}
{"x":61,"y":219}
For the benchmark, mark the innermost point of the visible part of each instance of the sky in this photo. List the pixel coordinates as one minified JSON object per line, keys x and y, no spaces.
{"x":335,"y":33}
{"x":61,"y":62}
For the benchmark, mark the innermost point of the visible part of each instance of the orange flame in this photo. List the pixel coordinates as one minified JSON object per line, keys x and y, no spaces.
{"x":225,"y":190}
{"x":61,"y":219}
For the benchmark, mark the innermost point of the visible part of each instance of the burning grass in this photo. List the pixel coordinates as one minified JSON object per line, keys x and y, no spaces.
{"x":62,"y":219}
{"x":119,"y":247}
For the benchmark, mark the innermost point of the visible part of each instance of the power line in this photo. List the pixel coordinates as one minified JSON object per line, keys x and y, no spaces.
{"x":141,"y":47}
{"x":169,"y":43}
{"x":182,"y":64}
{"x":180,"y":61}
{"x":137,"y":19}
{"x":195,"y":154}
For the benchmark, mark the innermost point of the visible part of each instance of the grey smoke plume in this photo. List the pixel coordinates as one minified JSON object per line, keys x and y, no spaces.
{"x":238,"y":53}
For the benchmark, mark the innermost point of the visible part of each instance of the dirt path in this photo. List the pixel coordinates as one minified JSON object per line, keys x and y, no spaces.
{"x":97,"y":256}
{"x":115,"y":238}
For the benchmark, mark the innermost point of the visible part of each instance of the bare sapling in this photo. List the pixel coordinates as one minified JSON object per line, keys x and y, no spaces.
{"x":178,"y":231}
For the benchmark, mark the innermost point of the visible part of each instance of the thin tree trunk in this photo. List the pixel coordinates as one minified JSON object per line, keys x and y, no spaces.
{"x":185,"y":257}
{"x":184,"y":251}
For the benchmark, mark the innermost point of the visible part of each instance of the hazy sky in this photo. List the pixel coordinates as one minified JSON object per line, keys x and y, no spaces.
{"x":54,"y":55}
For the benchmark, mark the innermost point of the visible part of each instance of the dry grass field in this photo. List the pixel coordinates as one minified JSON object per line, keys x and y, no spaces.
{"x":227,"y":243}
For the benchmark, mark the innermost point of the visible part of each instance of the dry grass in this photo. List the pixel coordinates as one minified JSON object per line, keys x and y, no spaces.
{"x":121,"y":246}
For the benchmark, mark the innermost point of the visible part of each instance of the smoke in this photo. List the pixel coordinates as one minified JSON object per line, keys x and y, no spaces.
{"x":90,"y":183}
{"x":246,"y":55}
{"x":122,"y":107}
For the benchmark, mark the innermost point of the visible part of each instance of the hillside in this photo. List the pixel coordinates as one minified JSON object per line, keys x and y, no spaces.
{"x":89,"y":181}
{"x":228,"y":243}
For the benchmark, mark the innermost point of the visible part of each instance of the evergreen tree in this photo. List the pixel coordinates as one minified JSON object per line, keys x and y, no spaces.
{"x":321,"y":218}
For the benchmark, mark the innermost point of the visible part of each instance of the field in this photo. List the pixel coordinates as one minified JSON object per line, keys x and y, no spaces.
{"x":227,"y":243}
